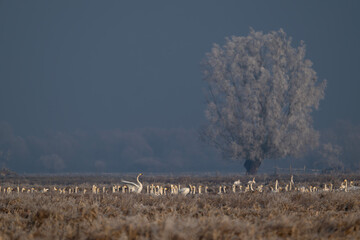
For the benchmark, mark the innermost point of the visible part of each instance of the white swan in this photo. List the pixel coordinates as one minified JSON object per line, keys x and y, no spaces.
{"x":250,"y":185}
{"x":185,"y":191}
{"x":200,"y":189}
{"x":193,"y":190}
{"x":292,"y":184}
{"x":276,"y":190}
{"x":344,"y":185}
{"x":352,"y":187}
{"x":238,"y":182}
{"x":133,"y":186}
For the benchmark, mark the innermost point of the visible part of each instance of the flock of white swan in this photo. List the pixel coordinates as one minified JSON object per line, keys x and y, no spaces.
{"x":176,"y":189}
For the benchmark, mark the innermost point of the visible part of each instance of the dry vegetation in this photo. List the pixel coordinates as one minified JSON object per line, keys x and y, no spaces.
{"x":267,"y":215}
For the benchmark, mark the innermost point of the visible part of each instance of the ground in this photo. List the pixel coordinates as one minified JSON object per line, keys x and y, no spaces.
{"x":250,"y":215}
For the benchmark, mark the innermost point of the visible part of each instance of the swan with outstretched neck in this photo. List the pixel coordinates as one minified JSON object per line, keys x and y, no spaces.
{"x":136,"y":187}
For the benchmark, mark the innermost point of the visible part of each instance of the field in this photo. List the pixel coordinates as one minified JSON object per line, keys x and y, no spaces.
{"x":240,"y":215}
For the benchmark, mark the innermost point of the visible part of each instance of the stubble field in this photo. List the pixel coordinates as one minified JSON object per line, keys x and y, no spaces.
{"x":245,"y":215}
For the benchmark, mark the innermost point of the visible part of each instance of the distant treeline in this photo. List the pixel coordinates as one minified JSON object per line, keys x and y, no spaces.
{"x":156,"y":150}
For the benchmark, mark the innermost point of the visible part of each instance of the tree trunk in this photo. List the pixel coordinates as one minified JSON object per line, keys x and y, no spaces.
{"x":252,"y":166}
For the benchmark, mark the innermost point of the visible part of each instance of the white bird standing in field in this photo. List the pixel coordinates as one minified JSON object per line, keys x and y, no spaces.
{"x":220,"y":190}
{"x":185,"y":191}
{"x":135,"y":187}
{"x":292,"y":184}
{"x":94,"y":189}
{"x":172,"y":189}
{"x":193,"y":190}
{"x":352,"y":187}
{"x":344,"y":185}
{"x":238,"y":182}
{"x":250,"y":184}
{"x":276,"y":190}
{"x":326,"y":189}
{"x":200,"y":189}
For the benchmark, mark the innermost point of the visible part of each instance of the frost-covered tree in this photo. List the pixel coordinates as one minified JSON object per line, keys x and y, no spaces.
{"x":261,"y":92}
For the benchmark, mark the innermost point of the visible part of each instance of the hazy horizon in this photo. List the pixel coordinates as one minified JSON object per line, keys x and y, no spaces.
{"x":117,"y":86}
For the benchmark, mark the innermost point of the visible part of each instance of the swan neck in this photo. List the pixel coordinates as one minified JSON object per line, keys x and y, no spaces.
{"x":138,"y":180}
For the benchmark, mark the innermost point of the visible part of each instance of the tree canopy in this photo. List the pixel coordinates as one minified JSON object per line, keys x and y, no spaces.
{"x":260,"y":95}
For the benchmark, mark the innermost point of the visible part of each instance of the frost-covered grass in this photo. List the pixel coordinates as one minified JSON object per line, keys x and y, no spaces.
{"x":267,"y":215}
